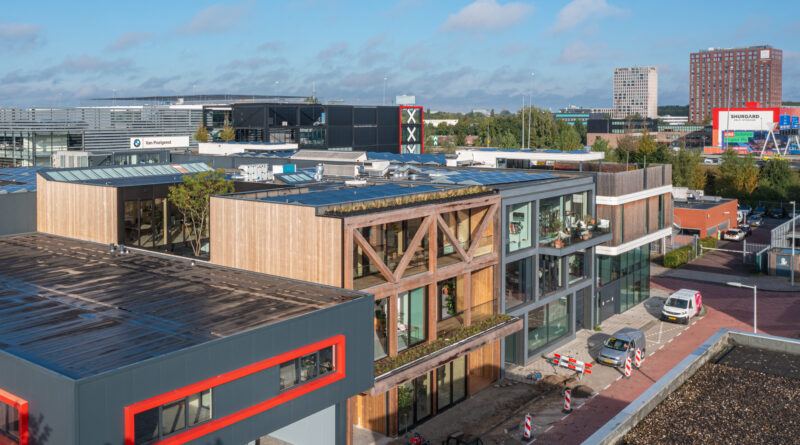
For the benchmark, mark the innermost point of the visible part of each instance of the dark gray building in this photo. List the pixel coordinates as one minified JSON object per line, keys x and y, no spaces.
{"x":105,"y":347}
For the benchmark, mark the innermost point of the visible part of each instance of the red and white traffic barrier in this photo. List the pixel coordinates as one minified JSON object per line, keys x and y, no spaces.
{"x":628,"y":367}
{"x":567,"y":400}
{"x":572,"y":363}
{"x":638,"y":359}
{"x":526,"y":430}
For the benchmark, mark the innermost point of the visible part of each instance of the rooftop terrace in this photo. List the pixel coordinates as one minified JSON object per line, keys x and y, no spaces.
{"x":77,"y":309}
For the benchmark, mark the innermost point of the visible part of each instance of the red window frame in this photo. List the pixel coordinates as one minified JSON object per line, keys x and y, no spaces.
{"x":22,"y":410}
{"x":338,"y":341}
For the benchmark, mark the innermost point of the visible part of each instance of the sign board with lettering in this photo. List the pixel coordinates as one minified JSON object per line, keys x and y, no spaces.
{"x":411,"y":135}
{"x":155,"y":142}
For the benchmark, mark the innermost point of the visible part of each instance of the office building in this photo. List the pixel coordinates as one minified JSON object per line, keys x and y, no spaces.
{"x":104,"y":346}
{"x":635,"y":92}
{"x":732,"y":77}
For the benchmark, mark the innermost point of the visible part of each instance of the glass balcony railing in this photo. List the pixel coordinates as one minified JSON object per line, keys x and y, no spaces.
{"x":450,"y":326}
{"x":574,"y":234}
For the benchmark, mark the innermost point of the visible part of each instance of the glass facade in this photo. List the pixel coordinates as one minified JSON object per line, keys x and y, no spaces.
{"x":566,"y":220}
{"x":155,"y":224}
{"x":519,"y":283}
{"x":381,"y":340}
{"x":35,"y":148}
{"x":520,"y":228}
{"x":625,"y":276}
{"x":414,"y":402}
{"x":451,"y":383}
{"x":411,"y":316}
{"x":576,"y":266}
{"x":390,"y":241}
{"x":551,"y":278}
{"x":548,"y":324}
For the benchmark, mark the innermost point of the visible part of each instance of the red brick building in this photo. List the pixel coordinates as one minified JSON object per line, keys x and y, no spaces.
{"x":705,"y":216}
{"x":755,"y":74}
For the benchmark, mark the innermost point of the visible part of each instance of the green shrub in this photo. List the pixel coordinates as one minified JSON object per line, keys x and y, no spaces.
{"x":677,"y":257}
{"x":708,"y":242}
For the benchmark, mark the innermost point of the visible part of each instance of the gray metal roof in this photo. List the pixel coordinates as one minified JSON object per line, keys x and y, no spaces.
{"x":76,"y":309}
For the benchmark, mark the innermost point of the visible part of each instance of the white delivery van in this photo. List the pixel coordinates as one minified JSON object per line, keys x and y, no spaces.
{"x":682,"y":305}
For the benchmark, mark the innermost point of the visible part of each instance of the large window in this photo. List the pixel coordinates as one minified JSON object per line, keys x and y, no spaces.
{"x":308,"y":367}
{"x":451,"y":382}
{"x":576,"y":264}
{"x":411,"y":316}
{"x":9,"y":423}
{"x":519,"y":282}
{"x":153,"y":223}
{"x":520,"y":233}
{"x":381,"y":340}
{"x":390,"y":241}
{"x":547,"y":324}
{"x":161,"y":421}
{"x":551,"y":278}
{"x":414,"y":402}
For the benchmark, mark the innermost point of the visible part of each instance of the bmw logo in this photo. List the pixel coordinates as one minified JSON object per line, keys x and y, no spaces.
{"x":137,"y":143}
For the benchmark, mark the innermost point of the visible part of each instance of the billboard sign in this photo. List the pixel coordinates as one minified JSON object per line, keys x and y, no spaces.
{"x":160,"y":142}
{"x":752,"y":120}
{"x":795,"y":122}
{"x":784,"y":122}
{"x":753,"y":140}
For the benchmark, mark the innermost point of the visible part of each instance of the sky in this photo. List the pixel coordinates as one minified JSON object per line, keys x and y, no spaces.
{"x":452,"y":55}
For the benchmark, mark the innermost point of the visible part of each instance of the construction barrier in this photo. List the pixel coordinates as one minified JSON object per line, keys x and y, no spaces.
{"x":567,"y":400}
{"x":526,"y":430}
{"x":638,"y":358}
{"x":628,"y":367}
{"x":571,"y":363}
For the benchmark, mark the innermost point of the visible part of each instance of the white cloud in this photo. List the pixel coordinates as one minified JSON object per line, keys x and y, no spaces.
{"x":579,"y":11}
{"x":579,"y":52}
{"x":215,"y":18}
{"x":486,"y":15}
{"x":20,"y":36}
{"x":127,"y":40}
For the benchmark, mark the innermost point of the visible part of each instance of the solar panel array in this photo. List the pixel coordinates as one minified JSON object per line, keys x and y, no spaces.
{"x":18,"y":180}
{"x":295,"y":178}
{"x":483,"y":177}
{"x":120,"y":173}
{"x":354,"y":194}
{"x":407,"y":158}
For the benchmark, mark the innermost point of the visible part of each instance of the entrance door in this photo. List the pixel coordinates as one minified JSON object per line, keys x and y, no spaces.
{"x":605,"y":303}
{"x":451,"y":383}
{"x":414,"y":402}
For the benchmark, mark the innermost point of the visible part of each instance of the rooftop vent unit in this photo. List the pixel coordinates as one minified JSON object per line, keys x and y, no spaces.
{"x":378,"y":169}
{"x":341,"y":170}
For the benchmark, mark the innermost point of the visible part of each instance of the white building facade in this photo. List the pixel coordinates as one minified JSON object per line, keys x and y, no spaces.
{"x":635,"y":92}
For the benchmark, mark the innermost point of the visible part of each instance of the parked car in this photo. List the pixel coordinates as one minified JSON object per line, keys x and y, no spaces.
{"x":746,"y":229}
{"x":777,"y":212}
{"x":712,"y":161}
{"x":755,"y":220}
{"x":733,"y":235}
{"x":760,"y":210}
{"x":682,"y":305}
{"x":745,"y":208}
{"x":620,"y":346}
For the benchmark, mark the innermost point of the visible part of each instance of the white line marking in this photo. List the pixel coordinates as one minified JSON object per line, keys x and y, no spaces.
{"x":579,"y":406}
{"x":564,"y":417}
{"x":660,"y":328}
{"x":660,"y":347}
{"x":605,"y":387}
{"x":548,"y":428}
{"x":619,"y":377}
{"x":670,"y":340}
{"x":679,"y":333}
{"x":595,"y":394}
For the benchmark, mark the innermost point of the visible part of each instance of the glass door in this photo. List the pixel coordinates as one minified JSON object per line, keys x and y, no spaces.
{"x":414,"y":402}
{"x":451,"y":382}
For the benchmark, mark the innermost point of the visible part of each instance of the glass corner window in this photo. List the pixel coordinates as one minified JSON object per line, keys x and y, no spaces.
{"x":520,"y":234}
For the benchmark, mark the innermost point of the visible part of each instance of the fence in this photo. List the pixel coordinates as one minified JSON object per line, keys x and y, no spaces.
{"x":752,"y":252}
{"x":781,"y":235}
{"x":677,"y":241}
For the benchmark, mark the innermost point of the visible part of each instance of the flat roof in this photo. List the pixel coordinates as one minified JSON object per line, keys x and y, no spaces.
{"x":125,"y":175}
{"x":351,"y":194}
{"x":74,"y":308}
{"x":699,"y":204}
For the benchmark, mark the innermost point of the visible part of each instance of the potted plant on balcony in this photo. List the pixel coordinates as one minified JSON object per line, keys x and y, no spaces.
{"x":556,"y":226}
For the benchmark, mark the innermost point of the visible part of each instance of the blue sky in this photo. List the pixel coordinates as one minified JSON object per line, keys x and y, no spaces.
{"x":453,"y":55}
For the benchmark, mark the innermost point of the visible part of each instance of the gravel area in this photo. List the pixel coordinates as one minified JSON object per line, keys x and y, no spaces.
{"x":725,"y":404}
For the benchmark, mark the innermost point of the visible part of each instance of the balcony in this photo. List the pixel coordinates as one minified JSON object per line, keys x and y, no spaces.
{"x":558,"y":237}
{"x":393,"y":371}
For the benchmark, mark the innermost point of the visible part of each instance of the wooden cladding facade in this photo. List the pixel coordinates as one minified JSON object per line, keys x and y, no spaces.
{"x":637,"y":218}
{"x":277,"y":239}
{"x":627,"y":182}
{"x":80,"y":211}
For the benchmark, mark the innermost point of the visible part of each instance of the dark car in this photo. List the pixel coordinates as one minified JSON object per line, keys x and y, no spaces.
{"x":760,"y":210}
{"x":755,"y":220}
{"x":746,"y":229}
{"x":776,"y":213}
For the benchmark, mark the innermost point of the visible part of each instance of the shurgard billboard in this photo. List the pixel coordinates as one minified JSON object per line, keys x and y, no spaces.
{"x":752,"y":120}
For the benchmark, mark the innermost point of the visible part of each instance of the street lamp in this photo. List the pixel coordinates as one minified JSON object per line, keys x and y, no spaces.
{"x":755,"y":290}
{"x":794,"y":221}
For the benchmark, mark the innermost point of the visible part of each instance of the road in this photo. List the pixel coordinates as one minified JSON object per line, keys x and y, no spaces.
{"x":726,"y":308}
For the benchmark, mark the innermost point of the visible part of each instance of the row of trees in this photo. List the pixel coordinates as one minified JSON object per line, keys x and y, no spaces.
{"x":504,"y":130}
{"x":202,"y":135}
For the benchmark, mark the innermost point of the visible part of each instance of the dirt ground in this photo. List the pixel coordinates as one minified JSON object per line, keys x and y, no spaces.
{"x":495,"y":413}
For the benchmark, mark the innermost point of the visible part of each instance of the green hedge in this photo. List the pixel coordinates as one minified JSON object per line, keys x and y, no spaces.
{"x":682,"y":255}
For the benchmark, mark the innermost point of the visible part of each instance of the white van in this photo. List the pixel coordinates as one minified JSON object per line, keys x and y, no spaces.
{"x":682,"y":305}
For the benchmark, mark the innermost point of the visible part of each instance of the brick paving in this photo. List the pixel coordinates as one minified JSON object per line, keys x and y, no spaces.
{"x":727,"y":308}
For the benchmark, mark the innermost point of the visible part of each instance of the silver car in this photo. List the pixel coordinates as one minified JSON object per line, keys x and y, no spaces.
{"x":620,"y":346}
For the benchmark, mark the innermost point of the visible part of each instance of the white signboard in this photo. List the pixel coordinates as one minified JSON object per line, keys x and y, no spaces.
{"x":745,"y":120}
{"x":160,"y":142}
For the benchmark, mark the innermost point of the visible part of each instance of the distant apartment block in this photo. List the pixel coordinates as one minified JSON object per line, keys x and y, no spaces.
{"x":636,"y":92}
{"x":731,"y":77}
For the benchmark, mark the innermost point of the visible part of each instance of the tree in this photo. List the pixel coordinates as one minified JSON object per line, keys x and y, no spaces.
{"x":687,"y":170}
{"x":192,"y":199}
{"x":602,"y":145}
{"x":201,"y":135}
{"x":566,"y":137}
{"x":647,"y":145}
{"x":228,"y":134}
{"x":580,"y":128}
{"x":777,"y":174}
{"x":737,"y":176}
{"x":627,"y":143}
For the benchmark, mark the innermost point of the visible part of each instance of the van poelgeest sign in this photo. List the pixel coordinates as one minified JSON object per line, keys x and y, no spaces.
{"x":160,"y":142}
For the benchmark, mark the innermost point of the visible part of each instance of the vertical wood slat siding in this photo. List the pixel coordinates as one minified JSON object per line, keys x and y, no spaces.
{"x":634,"y":220}
{"x":483,"y":367}
{"x":296,"y":243}
{"x":370,"y":412}
{"x":80,"y":211}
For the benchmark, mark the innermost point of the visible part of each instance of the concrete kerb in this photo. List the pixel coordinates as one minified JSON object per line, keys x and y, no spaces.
{"x":631,"y":415}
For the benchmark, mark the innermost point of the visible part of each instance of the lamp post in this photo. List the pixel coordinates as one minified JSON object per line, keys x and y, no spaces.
{"x":794,"y":219}
{"x":755,"y":290}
